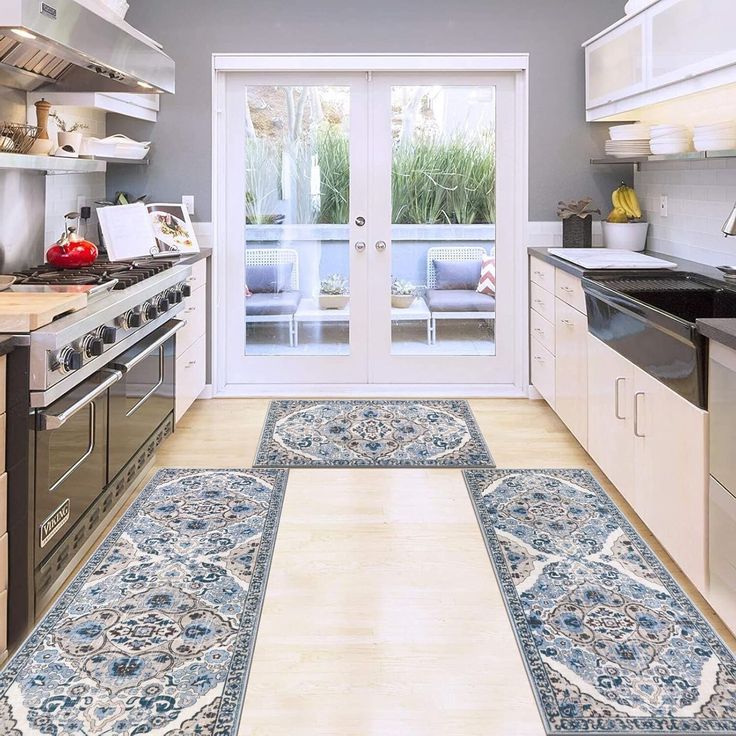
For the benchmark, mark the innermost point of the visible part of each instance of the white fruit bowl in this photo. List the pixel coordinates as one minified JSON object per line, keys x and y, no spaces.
{"x":625,"y":235}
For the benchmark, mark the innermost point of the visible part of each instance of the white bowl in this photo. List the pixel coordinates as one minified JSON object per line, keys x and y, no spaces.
{"x":625,"y":235}
{"x":717,"y":144}
{"x":667,"y":149}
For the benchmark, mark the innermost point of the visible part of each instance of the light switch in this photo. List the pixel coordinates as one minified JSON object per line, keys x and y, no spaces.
{"x":187,"y":201}
{"x":663,"y":205}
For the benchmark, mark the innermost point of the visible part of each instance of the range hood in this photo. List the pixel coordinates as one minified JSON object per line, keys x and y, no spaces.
{"x":61,"y":41}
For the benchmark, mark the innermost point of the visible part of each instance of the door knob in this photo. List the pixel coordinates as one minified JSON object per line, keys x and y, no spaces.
{"x":381,"y":245}
{"x":360,"y":246}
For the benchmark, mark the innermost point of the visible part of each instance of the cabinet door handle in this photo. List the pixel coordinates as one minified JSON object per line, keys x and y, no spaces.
{"x":617,"y":400}
{"x":567,"y":322}
{"x":636,"y":414}
{"x":568,"y":289}
{"x":539,"y":331}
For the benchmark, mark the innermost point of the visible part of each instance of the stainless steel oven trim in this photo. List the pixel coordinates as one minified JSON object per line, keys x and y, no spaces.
{"x":159,"y":383}
{"x":54,"y":421}
{"x":139,"y":357}
{"x":90,"y":448}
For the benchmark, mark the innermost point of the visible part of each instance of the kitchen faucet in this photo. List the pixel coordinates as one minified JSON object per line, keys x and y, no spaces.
{"x":729,"y":227}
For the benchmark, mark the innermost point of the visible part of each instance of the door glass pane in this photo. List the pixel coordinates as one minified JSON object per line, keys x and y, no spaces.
{"x":443,"y":212}
{"x":297,"y":280}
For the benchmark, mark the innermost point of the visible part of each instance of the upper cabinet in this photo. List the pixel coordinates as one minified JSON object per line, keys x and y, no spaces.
{"x":615,"y":65}
{"x":669,"y":51}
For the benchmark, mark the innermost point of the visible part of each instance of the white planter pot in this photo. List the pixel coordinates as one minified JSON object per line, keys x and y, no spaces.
{"x":70,"y":143}
{"x":333,"y":301}
{"x":402,"y":301}
{"x":625,"y":235}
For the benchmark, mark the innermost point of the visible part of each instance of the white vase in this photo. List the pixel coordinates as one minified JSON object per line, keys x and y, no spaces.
{"x":333,"y":301}
{"x":402,"y":301}
{"x":625,"y":235}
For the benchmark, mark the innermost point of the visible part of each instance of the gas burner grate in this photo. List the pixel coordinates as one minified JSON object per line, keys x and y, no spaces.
{"x":656,"y":285}
{"x":127,"y":273}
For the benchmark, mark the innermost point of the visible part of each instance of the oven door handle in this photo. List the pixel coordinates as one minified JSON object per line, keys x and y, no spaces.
{"x":133,"y":362}
{"x":54,"y":421}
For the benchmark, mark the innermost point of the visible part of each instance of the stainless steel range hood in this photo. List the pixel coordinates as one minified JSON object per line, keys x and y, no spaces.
{"x":50,"y":42}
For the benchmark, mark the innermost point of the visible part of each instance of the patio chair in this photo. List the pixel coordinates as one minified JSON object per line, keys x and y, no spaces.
{"x":276,"y":306}
{"x":445,"y":303}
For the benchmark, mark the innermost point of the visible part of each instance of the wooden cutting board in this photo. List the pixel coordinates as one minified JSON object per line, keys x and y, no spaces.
{"x":26,"y":312}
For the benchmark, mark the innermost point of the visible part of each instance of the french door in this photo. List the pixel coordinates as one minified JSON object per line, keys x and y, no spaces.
{"x":370,"y":226}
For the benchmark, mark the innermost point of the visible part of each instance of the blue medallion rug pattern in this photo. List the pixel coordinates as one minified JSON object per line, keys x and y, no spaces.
{"x":362,"y":433}
{"x":611,"y":643}
{"x":155,"y":634}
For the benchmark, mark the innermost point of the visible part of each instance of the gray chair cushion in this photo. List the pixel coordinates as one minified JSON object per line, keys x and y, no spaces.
{"x":456,"y":274}
{"x":261,"y":305}
{"x":270,"y":279}
{"x":459,"y":300}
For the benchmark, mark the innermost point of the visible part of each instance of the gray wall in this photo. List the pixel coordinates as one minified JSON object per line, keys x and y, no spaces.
{"x":561,"y":143}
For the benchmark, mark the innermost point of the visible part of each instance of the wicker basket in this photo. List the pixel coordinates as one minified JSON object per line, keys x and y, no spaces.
{"x":17,"y":138}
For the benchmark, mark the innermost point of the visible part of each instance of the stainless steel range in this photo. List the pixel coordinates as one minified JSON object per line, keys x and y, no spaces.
{"x":100,"y":399}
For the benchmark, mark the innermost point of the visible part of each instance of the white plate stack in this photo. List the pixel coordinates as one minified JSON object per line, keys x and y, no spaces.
{"x":670,"y":139}
{"x":628,"y":140}
{"x":715,"y":137}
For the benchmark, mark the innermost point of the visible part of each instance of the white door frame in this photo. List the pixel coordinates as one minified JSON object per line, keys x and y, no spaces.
{"x":223,"y":64}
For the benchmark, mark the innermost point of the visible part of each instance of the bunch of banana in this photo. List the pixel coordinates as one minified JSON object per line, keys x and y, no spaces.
{"x":624,"y":198}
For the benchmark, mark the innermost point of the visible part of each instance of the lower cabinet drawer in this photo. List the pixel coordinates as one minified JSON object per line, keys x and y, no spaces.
{"x":569,"y":288}
{"x":195,"y":314}
{"x":542,"y":330}
{"x":191,"y":376}
{"x":4,"y":562}
{"x":199,"y":274}
{"x":3,"y":625}
{"x":3,"y":503}
{"x":543,"y":302}
{"x":543,"y":371}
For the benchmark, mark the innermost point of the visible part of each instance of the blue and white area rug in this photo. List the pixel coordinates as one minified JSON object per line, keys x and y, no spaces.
{"x":372,"y":434}
{"x":155,"y":634}
{"x":610,"y":641}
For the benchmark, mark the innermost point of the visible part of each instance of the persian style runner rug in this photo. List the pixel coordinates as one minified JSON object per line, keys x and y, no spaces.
{"x":155,"y":634}
{"x":611,"y":643}
{"x":380,"y":434}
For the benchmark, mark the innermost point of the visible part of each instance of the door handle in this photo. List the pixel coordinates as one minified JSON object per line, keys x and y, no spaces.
{"x":158,"y":341}
{"x":617,"y":399}
{"x":381,"y":245}
{"x":360,"y":246}
{"x":55,"y":421}
{"x":636,"y":414}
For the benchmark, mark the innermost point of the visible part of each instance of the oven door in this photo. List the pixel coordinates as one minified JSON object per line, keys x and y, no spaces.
{"x":144,"y":397}
{"x":71,"y":458}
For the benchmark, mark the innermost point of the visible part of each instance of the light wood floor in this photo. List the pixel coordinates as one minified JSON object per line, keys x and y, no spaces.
{"x":382,"y":614}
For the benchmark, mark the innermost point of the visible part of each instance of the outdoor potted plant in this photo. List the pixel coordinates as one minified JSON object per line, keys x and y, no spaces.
{"x":69,"y":135}
{"x":403,"y":293}
{"x":577,"y":223}
{"x":623,"y":228}
{"x":334,"y":292}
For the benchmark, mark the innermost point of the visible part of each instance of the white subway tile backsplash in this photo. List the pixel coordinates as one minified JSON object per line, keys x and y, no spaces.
{"x":700,"y":196}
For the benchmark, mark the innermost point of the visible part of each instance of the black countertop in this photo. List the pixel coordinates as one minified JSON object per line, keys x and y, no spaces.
{"x":720,"y":330}
{"x":7,"y":343}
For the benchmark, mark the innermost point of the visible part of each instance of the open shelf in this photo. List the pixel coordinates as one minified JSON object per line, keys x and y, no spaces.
{"x":691,"y":156}
{"x":51,"y":164}
{"x":125,"y":161}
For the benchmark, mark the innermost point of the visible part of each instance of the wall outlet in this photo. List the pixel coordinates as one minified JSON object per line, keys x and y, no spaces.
{"x":663,"y":205}
{"x":187,"y":201}
{"x":83,"y":202}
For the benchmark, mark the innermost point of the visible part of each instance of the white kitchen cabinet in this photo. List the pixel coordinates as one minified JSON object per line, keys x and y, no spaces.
{"x":611,"y":415}
{"x":652,"y":445}
{"x":543,"y":371}
{"x":670,"y":451}
{"x":667,"y":53}
{"x":571,"y":369}
{"x":690,"y":37}
{"x":191,"y":343}
{"x":614,"y":64}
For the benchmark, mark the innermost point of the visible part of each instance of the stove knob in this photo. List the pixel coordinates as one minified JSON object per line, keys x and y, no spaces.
{"x":186,"y":290}
{"x":134,"y":319}
{"x":94,"y":346}
{"x":150,"y":311}
{"x":108,"y":335}
{"x":162,"y":305}
{"x":70,"y":360}
{"x":174,"y":296}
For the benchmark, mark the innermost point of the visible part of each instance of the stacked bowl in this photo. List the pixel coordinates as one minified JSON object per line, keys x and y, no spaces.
{"x":628,"y":140}
{"x":715,"y":137}
{"x":670,"y":139}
